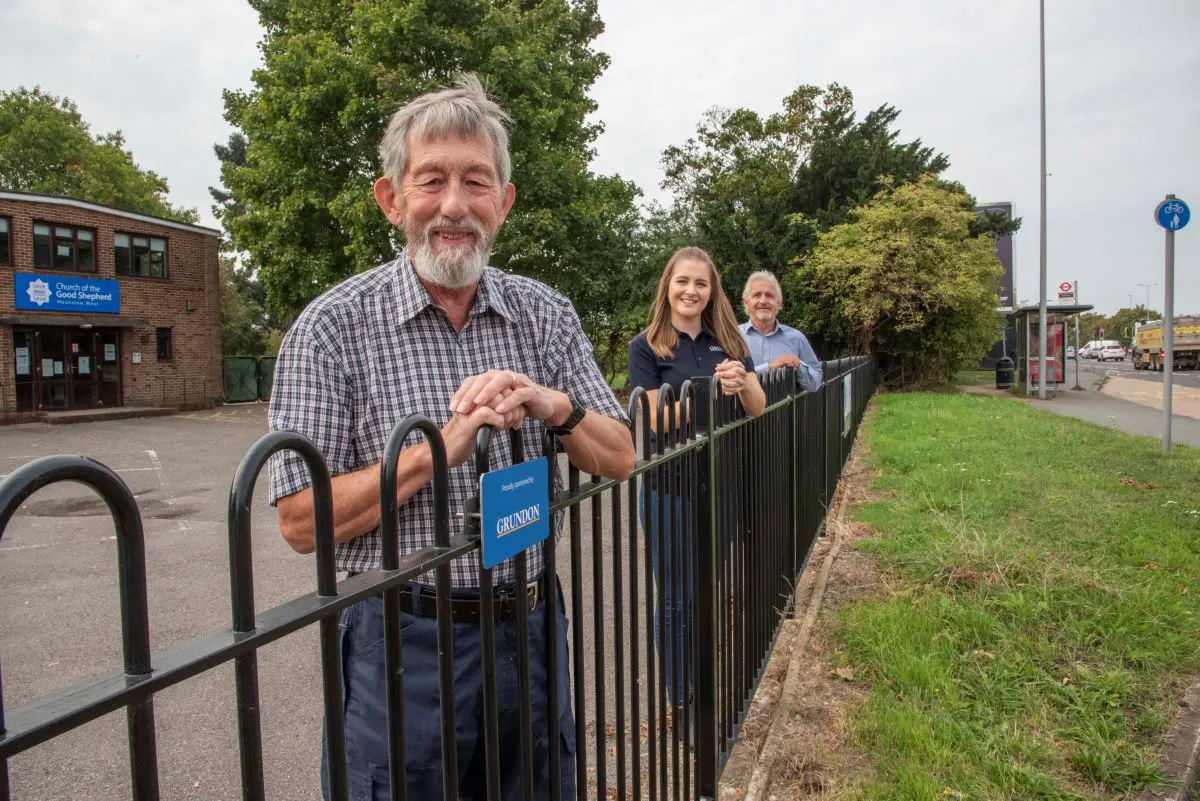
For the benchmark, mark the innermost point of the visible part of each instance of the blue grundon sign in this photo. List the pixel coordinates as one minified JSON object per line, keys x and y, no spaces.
{"x":515,"y":509}
{"x":510,"y":524}
{"x":66,"y":294}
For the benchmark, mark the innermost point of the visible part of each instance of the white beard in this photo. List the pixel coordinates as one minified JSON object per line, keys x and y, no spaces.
{"x":453,"y":268}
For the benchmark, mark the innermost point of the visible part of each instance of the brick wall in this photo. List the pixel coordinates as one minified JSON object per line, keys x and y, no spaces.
{"x":192,"y":378}
{"x":8,"y":392}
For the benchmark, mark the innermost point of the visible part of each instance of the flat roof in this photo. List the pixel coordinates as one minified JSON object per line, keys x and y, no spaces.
{"x":89,"y":320}
{"x":58,"y":200}
{"x":1078,"y":308}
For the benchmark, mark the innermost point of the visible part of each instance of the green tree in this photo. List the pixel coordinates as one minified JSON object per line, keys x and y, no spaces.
{"x":994,"y":224}
{"x":244,"y":327}
{"x":1119,"y":326}
{"x":910,"y":282}
{"x":297,"y":198}
{"x":627,"y":297}
{"x":47,"y":147}
{"x":1089,"y":325}
{"x":232,"y":153}
{"x":757,"y":192}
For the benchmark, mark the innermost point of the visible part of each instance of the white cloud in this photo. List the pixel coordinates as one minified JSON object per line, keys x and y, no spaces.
{"x":154,"y":70}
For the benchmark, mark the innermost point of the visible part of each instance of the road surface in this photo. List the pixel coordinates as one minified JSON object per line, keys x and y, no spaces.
{"x":1094,"y":369}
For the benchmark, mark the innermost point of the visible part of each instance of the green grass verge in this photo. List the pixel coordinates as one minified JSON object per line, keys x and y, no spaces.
{"x":975,"y":378}
{"x":1041,"y":610}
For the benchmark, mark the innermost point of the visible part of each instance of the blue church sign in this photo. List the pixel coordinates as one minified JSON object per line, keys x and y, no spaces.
{"x":60,"y":293}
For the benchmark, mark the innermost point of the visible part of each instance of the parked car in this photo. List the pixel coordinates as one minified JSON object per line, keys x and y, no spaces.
{"x":1070,"y":352}
{"x":1111,"y":351}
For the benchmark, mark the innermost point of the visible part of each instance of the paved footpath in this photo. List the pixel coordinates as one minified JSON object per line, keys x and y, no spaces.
{"x":1132,"y":418}
{"x":1185,"y":401}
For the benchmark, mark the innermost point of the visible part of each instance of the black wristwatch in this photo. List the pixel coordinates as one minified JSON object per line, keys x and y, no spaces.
{"x":577,"y":413}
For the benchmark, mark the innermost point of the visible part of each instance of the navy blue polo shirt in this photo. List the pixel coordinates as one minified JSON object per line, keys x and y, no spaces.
{"x":693,"y":359}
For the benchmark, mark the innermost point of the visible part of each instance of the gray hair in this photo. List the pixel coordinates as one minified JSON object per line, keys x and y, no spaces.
{"x":464,"y":109}
{"x":762,"y":275}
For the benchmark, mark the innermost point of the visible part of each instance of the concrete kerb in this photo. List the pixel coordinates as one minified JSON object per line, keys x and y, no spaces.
{"x":1182,"y":756}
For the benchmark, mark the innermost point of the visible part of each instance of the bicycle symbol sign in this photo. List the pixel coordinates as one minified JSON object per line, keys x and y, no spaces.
{"x":1172,"y":214}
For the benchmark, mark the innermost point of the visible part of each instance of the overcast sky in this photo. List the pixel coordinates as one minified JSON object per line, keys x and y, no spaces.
{"x":1123,"y":100}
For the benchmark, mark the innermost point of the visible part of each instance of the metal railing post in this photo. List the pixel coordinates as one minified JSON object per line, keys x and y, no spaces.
{"x":706,"y":597}
{"x":132,"y":587}
{"x":241,"y":580}
{"x":797,"y":456}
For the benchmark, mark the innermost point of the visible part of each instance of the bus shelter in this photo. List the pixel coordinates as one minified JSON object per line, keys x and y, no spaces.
{"x":1059,"y":334}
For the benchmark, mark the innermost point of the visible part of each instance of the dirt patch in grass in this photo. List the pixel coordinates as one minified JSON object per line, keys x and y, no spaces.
{"x":852,"y":575}
{"x":737,"y":773}
{"x":818,"y":759}
{"x":739,"y":769}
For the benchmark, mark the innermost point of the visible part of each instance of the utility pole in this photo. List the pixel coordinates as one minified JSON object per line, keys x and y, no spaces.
{"x":1076,"y":350}
{"x":1042,"y":302}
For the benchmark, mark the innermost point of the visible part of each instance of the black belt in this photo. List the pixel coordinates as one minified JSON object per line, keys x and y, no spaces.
{"x":469,"y":608}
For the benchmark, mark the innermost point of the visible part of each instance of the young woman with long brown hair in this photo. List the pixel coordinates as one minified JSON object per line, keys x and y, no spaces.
{"x":693,"y":334}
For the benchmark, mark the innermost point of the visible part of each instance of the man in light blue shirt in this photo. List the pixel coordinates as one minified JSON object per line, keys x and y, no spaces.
{"x":773,"y":344}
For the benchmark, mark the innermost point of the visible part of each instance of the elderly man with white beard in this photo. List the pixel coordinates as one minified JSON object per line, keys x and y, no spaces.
{"x":439,"y":332}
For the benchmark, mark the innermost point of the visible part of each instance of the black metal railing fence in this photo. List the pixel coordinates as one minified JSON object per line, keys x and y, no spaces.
{"x":730,"y":505}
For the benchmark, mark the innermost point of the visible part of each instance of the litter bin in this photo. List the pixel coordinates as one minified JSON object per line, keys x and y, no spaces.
{"x":1005,"y":367}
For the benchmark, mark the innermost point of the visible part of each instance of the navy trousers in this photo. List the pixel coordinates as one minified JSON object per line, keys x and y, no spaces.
{"x":366,"y":706}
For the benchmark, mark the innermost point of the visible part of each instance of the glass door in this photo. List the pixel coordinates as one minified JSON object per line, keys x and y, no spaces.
{"x":108,"y":366}
{"x":51,"y":363}
{"x":85,"y":387}
{"x":24,"y":359}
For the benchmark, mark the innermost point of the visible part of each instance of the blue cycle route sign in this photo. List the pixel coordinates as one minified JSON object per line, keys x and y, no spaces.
{"x":1172,"y":214}
{"x":514,"y":509}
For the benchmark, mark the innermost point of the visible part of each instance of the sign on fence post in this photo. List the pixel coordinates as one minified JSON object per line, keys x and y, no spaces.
{"x":847,"y":402}
{"x":514,"y":509}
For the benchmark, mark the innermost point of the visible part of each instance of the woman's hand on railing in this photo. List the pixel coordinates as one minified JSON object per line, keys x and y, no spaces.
{"x":733,"y":376}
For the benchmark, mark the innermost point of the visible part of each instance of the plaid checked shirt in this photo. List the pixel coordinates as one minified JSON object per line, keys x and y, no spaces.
{"x":375,"y":349}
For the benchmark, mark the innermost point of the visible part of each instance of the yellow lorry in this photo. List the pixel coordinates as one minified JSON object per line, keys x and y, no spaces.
{"x":1148,"y":344}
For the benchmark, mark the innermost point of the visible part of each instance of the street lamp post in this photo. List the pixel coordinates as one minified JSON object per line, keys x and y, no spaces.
{"x":1147,"y":286}
{"x":1042,"y":177}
